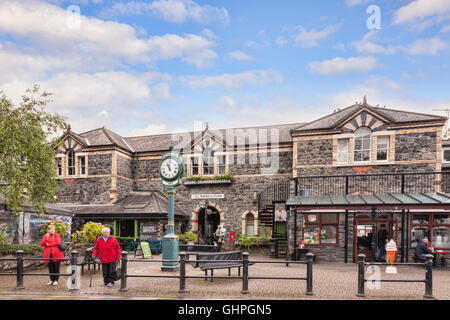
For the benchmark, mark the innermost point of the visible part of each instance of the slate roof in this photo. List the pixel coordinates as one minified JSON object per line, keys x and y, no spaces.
{"x":395,"y":116}
{"x":137,"y":202}
{"x":161,"y":142}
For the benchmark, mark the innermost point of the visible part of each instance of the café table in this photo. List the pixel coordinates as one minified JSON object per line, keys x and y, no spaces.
{"x":299,"y":252}
{"x":440,"y":255}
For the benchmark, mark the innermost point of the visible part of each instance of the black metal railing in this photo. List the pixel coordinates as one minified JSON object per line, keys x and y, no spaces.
{"x":428,"y":274}
{"x":383,"y":183}
{"x":20,"y":269}
{"x":277,"y":192}
{"x":245,"y":277}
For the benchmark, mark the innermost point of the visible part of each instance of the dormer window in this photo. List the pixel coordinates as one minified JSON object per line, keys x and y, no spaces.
{"x":208,"y":162}
{"x":363,"y":137}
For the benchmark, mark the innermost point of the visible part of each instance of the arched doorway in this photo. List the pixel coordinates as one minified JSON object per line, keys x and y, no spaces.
{"x":214,"y":217}
{"x":208,"y":220}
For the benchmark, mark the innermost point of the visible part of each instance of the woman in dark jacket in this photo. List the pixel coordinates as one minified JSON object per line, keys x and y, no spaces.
{"x":51,"y":240}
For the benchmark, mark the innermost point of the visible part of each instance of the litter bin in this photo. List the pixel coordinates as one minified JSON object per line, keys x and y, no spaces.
{"x":273,"y":248}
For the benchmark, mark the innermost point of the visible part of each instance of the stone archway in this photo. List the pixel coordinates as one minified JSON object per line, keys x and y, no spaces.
{"x":196,"y":212}
{"x":244,"y":221}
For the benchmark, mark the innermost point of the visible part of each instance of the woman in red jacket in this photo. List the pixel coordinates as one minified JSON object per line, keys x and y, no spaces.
{"x":108,"y":250}
{"x":50,"y":241}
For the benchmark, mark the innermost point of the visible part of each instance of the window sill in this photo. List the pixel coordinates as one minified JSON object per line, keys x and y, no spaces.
{"x":364,"y":164}
{"x":203,"y":182}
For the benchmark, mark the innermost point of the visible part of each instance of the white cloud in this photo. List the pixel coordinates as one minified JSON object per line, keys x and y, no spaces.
{"x":281,"y":41}
{"x":426,"y":47}
{"x":352,"y":3}
{"x":311,"y":38}
{"x":339,"y":66}
{"x":237,"y":80}
{"x":240,"y":56}
{"x":367,"y":46}
{"x":100,"y":41}
{"x":174,"y":11}
{"x":423,"y":13}
{"x":151,"y":129}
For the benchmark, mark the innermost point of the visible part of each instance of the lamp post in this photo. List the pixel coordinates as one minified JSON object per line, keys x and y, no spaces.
{"x":171,"y":170}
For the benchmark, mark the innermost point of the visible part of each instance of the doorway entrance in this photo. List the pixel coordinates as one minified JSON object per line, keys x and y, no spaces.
{"x":208,"y":220}
{"x":367,"y":234}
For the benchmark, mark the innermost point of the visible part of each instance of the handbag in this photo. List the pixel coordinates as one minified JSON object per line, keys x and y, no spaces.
{"x":62,"y":246}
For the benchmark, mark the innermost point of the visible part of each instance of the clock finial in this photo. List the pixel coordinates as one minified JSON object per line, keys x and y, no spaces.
{"x":171,"y":144}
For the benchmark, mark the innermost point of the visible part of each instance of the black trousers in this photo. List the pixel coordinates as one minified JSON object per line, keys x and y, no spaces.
{"x":53,"y":267}
{"x":109,"y":272}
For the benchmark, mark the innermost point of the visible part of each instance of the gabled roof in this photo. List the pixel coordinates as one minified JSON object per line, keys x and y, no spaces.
{"x":338,"y":118}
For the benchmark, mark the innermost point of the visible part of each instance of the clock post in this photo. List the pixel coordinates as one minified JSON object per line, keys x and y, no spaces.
{"x":171,"y":170}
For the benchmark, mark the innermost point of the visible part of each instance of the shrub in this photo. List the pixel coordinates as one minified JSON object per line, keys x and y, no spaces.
{"x":90,"y":232}
{"x":4,"y":236}
{"x":61,"y":227}
{"x":10,"y":249}
{"x":190,"y":236}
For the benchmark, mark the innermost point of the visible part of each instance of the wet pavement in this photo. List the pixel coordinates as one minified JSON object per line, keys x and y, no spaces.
{"x":331,"y":281}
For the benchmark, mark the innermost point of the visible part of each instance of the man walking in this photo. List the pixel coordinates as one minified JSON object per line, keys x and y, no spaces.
{"x":108,"y":250}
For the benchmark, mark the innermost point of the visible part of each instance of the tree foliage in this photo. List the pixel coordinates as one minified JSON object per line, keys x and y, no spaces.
{"x":28,"y":136}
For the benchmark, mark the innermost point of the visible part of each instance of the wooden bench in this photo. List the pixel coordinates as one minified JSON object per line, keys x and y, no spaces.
{"x":216,"y":261}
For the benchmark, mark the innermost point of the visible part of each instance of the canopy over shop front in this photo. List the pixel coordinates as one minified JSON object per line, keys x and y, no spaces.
{"x":371,"y":205}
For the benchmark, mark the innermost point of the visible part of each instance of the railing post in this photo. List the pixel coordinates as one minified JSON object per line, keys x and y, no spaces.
{"x":309,"y":274}
{"x":429,"y":277}
{"x":361,"y":280}
{"x":74,"y":269}
{"x":19,"y":255}
{"x":182,"y":272}
{"x":245,"y":273}
{"x":123,"y":280}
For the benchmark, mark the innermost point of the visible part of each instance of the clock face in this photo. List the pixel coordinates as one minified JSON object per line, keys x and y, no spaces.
{"x":169,"y":168}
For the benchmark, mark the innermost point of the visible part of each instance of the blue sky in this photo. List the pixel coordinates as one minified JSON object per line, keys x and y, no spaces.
{"x":156,"y":66}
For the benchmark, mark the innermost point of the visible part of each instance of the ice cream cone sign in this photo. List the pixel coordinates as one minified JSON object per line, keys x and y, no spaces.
{"x":391,"y":250}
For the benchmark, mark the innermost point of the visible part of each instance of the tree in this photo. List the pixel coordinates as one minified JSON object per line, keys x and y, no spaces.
{"x":27,"y":140}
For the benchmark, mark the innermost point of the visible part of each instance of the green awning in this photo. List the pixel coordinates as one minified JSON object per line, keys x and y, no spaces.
{"x":375,"y":200}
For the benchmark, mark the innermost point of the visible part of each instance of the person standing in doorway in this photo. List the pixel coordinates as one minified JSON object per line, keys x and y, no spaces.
{"x":218,"y":236}
{"x":50,"y":242}
{"x":108,"y":250}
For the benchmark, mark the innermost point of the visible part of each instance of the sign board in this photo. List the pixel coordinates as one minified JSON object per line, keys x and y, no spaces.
{"x":143,"y":250}
{"x":280,"y":215}
{"x":207,"y":196}
{"x":148,"y":229}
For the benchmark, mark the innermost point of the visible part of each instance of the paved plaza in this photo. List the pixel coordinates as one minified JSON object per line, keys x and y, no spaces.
{"x":331,"y":281}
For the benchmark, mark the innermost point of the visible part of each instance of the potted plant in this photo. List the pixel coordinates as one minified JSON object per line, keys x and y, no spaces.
{"x":190,"y":237}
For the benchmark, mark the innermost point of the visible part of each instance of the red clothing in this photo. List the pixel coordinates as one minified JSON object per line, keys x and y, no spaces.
{"x":52,"y":247}
{"x":107,"y":251}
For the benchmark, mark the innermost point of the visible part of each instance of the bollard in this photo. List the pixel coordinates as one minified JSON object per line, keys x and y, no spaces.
{"x":123,"y":279}
{"x":309,"y":274}
{"x":429,"y":277}
{"x":182,"y":272}
{"x":74,"y":275}
{"x":245,"y":273}
{"x":19,"y":254}
{"x":361,"y":280}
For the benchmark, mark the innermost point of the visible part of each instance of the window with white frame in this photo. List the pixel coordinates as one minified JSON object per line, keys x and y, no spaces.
{"x":208,"y":162}
{"x":71,"y":163}
{"x":446,"y":155}
{"x":82,"y":163}
{"x":343,"y":150}
{"x":59,"y":169}
{"x":382,"y":148}
{"x":363,"y":137}
{"x":194,"y":166}
{"x":221,"y":164}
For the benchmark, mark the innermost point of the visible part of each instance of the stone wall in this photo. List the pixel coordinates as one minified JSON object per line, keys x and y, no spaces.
{"x":315,"y":152}
{"x":415,"y":146}
{"x":99,"y":164}
{"x":84,"y":190}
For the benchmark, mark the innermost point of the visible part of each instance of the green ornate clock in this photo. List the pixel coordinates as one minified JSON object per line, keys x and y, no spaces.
{"x":171,"y":169}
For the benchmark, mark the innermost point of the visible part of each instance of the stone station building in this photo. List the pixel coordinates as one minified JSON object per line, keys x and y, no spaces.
{"x":242,"y":177}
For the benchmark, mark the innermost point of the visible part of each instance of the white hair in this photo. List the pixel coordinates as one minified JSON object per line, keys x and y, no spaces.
{"x":106,"y":229}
